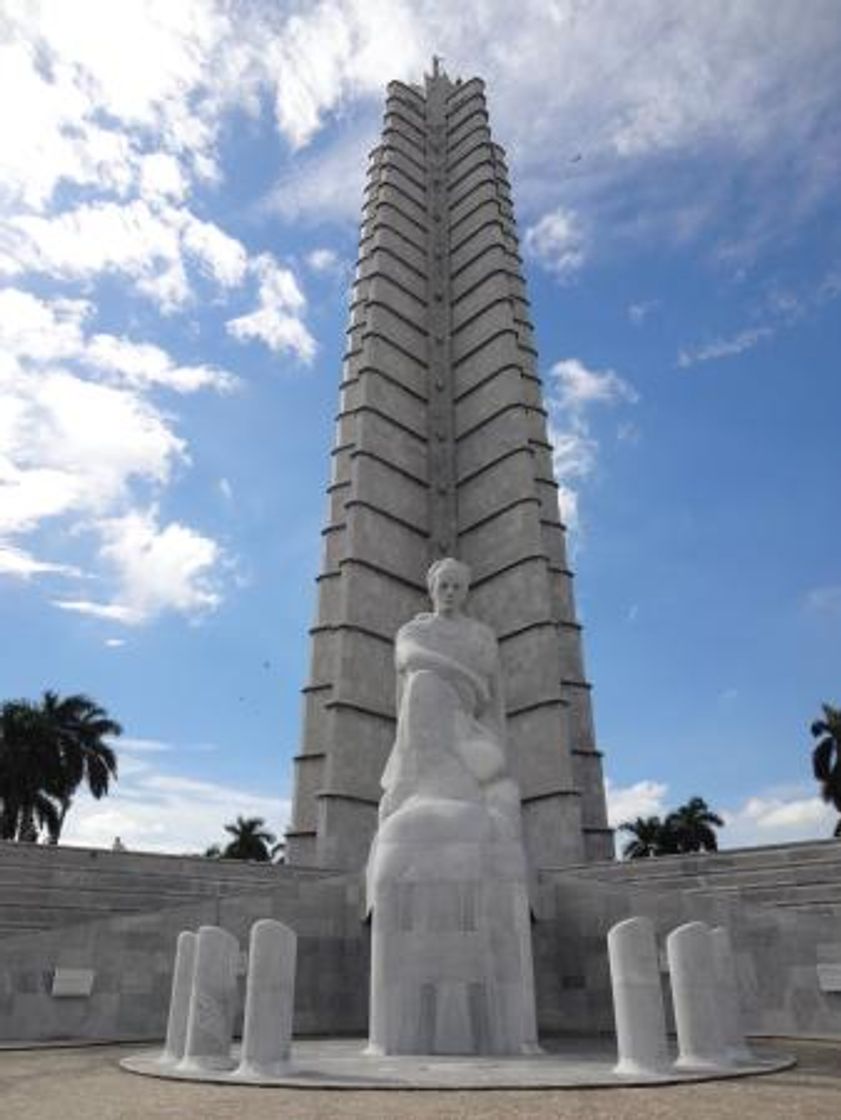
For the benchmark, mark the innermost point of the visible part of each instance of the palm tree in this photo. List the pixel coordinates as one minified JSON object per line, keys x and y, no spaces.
{"x":826,"y":757}
{"x":47,"y":750}
{"x":30,"y":775}
{"x":692,"y":826}
{"x":250,"y":840}
{"x":651,"y":837}
{"x":80,"y":727}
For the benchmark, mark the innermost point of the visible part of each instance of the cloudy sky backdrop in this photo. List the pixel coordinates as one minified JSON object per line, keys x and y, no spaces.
{"x":180,"y":185}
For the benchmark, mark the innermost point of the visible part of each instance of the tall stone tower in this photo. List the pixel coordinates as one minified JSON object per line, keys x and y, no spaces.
{"x":441,"y":449}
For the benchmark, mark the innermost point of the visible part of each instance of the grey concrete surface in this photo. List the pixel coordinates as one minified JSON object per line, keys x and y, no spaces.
{"x":80,"y":1084}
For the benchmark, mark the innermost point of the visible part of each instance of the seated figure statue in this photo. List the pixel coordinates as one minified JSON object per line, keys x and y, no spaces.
{"x":451,"y":968}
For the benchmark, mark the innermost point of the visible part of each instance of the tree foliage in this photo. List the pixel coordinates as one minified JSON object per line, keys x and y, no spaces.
{"x":689,"y":828}
{"x":251,"y":840}
{"x":48,"y":749}
{"x":826,"y":757}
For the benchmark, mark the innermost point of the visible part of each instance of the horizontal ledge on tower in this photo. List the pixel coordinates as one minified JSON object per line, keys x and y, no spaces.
{"x":570,"y":624}
{"x":369,"y":333}
{"x":486,"y":380}
{"x":363,"y":453}
{"x":375,"y":411}
{"x":602,"y":830}
{"x":334,"y":795}
{"x":293,"y":833}
{"x":477,"y":472}
{"x":497,"y":221}
{"x":455,"y":331}
{"x":310,"y":754}
{"x":365,"y":709}
{"x":585,"y":685}
{"x":495,"y":246}
{"x":353,"y":503}
{"x":485,"y":518}
{"x":528,"y":558}
{"x":483,"y":345}
{"x":353,"y":627}
{"x":536,"y":705}
{"x":491,"y":274}
{"x":368,"y":370}
{"x":540,"y":624}
{"x":561,"y":791}
{"x":405,"y":581}
{"x":336,"y":527}
{"x":583,"y":751}
{"x":331,"y":573}
{"x":514,"y":406}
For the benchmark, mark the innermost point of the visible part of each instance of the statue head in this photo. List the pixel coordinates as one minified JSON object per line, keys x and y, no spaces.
{"x":448,"y":581}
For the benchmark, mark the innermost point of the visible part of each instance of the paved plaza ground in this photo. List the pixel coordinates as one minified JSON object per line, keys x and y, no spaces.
{"x":86,"y":1084}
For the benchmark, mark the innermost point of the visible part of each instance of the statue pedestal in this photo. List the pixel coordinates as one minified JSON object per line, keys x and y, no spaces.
{"x":451,"y":962}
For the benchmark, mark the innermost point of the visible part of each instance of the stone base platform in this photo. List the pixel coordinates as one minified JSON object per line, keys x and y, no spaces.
{"x":580,"y":1063}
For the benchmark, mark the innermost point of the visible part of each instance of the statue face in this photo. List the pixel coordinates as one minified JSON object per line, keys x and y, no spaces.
{"x":449,"y":590}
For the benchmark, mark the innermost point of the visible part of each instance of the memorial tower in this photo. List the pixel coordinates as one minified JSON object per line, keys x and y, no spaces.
{"x":441,"y":449}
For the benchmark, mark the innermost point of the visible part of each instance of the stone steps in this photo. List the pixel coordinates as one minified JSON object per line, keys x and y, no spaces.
{"x":49,"y":887}
{"x":801,"y":876}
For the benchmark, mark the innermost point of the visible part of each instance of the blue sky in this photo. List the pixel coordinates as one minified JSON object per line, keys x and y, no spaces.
{"x":180,"y":186}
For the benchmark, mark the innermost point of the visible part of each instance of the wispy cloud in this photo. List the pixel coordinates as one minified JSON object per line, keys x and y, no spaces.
{"x":824,"y":600}
{"x":724,"y":347}
{"x":557,"y":242}
{"x":640,"y":311}
{"x":573,"y":390}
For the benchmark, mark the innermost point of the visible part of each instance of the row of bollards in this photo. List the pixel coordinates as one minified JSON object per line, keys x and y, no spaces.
{"x":705,"y":997}
{"x":204,"y":997}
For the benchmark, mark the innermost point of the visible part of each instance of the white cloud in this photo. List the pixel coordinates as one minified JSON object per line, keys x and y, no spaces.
{"x":572,"y":391}
{"x":150,"y":243}
{"x":639,"y":312}
{"x":778,"y":818}
{"x":155,"y":569}
{"x":324,"y":260}
{"x":724,"y":347}
{"x":825,"y":600}
{"x":142,"y":364}
{"x":276,"y":322}
{"x":581,"y":386}
{"x":152,"y":811}
{"x":557,"y":242}
{"x":114,"y":643}
{"x":17,"y":562}
{"x":641,"y":799}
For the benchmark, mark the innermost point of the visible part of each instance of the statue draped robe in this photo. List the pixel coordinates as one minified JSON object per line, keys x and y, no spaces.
{"x":451,"y":969}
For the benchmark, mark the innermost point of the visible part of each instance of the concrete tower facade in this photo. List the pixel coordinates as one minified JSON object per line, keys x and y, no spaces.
{"x":441,"y":449}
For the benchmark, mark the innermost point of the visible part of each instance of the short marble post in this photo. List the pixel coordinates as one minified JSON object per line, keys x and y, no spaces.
{"x":179,"y":1000}
{"x":728,"y":997}
{"x":695,"y":997}
{"x":270,"y":992}
{"x":637,"y":998}
{"x":212,"y":1003}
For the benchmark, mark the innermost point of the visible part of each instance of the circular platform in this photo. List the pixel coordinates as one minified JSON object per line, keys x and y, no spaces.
{"x":564,"y":1064}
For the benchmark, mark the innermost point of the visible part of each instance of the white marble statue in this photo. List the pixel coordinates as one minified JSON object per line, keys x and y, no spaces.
{"x":447,"y":884}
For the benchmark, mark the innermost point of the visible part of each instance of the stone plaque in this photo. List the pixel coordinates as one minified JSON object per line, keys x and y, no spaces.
{"x":829,"y":977}
{"x":72,"y":982}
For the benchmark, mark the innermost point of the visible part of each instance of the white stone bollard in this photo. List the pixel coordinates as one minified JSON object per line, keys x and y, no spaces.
{"x":732,"y":1028}
{"x":695,"y":997}
{"x":179,"y":1000}
{"x":637,"y":998}
{"x":212,"y":1003}
{"x":270,"y":993}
